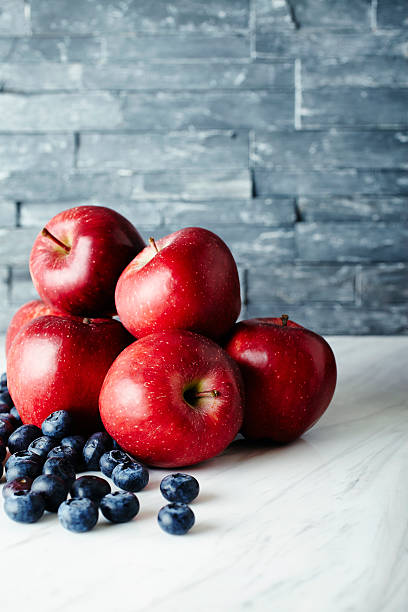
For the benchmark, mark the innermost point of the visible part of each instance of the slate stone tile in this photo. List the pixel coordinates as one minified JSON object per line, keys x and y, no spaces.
{"x":35,"y":49}
{"x":209,"y":110}
{"x":7,"y":213}
{"x":340,"y":319}
{"x":29,"y":151}
{"x":354,"y":106}
{"x":331,"y":149}
{"x":274,"y":14}
{"x":79,"y":17}
{"x":12,"y":18}
{"x":4,"y":285}
{"x":181,"y":76}
{"x":197,"y":186}
{"x":186,"y":46}
{"x":22,"y":288}
{"x":374,"y":71}
{"x":334,"y":182}
{"x":351,"y":242}
{"x":43,"y":76}
{"x":383,"y":284}
{"x":159,"y":151}
{"x":331,"y":13}
{"x":359,"y":208}
{"x":285,"y":285}
{"x":325,"y":43}
{"x":6,"y":313}
{"x":392,"y":14}
{"x":15,"y":245}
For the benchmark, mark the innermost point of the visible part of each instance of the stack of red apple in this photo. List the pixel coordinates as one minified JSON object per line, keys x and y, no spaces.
{"x":175,"y":379}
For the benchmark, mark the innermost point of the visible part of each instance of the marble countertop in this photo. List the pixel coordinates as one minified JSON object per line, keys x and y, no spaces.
{"x":320,"y":525}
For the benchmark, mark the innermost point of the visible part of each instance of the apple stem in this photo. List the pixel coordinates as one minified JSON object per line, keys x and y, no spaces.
{"x":210,"y":392}
{"x":86,"y":321}
{"x":153,"y":243}
{"x":48,"y":234}
{"x":284,"y":320}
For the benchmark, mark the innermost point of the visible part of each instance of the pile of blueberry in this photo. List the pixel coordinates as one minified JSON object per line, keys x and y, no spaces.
{"x":42,"y":467}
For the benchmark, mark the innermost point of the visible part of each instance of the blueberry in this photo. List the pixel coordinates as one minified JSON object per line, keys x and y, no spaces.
{"x":176,"y":518}
{"x":67,"y":453}
{"x":110,"y":460}
{"x":120,"y":506}
{"x":98,"y":444}
{"x":53,"y":490}
{"x":3,"y":380}
{"x":5,"y":398}
{"x":91,"y":487}
{"x":63,"y":468}
{"x":78,"y":515}
{"x":19,"y":484}
{"x":3,"y":450}
{"x":6,"y":429}
{"x":22,"y":437}
{"x":27,"y":468}
{"x":21,"y":457}
{"x":1,"y":470}
{"x":57,"y":425}
{"x":178,"y":487}
{"x":24,"y":506}
{"x":130,"y":476}
{"x":4,"y":408}
{"x":76,"y":443}
{"x":7,"y":418}
{"x":41,"y":446}
{"x":17,"y":420}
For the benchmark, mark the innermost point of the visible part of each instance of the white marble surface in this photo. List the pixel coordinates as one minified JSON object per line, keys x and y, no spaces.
{"x":319,"y":526}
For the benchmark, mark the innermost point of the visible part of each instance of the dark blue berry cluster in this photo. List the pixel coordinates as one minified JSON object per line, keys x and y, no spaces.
{"x":41,"y":474}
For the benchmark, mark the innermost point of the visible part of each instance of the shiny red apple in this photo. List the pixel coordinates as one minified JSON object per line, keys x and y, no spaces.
{"x":187,"y":280}
{"x":173,"y":398}
{"x":59,"y":363}
{"x":289,"y":376}
{"x":25,"y":314}
{"x":78,"y":257}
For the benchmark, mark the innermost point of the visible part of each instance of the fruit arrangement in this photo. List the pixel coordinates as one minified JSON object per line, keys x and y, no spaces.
{"x":169,"y":384}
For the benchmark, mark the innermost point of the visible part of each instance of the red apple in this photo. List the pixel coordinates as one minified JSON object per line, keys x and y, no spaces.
{"x":59,"y":363}
{"x":187,"y":280}
{"x":25,"y":314}
{"x":173,"y":398}
{"x":289,"y":376}
{"x":77,"y":259}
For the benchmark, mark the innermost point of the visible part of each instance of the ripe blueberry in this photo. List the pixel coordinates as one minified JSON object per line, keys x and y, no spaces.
{"x":41,"y":446}
{"x":52,"y":489}
{"x":111,"y":459}
{"x":22,"y":437}
{"x":130,"y":476}
{"x":178,"y":487}
{"x":24,"y":506}
{"x":21,"y":457}
{"x":3,"y":450}
{"x":17,"y":420}
{"x":6,"y":429}
{"x":78,"y":515}
{"x":57,"y":425}
{"x":20,"y":484}
{"x":76,"y":443}
{"x":5,"y":398}
{"x":63,"y":468}
{"x":120,"y":506}
{"x":91,"y":487}
{"x":176,"y":519}
{"x":23,"y":469}
{"x":3,"y":380}
{"x":98,"y":444}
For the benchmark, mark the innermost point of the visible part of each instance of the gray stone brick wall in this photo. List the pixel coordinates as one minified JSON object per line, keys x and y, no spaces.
{"x":281,"y":125}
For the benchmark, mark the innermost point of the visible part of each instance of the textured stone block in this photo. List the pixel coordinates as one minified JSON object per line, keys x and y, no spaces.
{"x":40,"y":77}
{"x":12,"y":18}
{"x":15,"y":245}
{"x":360,"y":208}
{"x":157,"y":151}
{"x":182,"y":76}
{"x":335,"y":182}
{"x":331,"y":149}
{"x":285,"y":285}
{"x":374,"y":71}
{"x":331,"y":13}
{"x":274,"y":14}
{"x":320,"y":43}
{"x":383,"y":284}
{"x":4,"y":285}
{"x":8,"y":213}
{"x":6,"y":313}
{"x":377,"y":107}
{"x":268,"y":212}
{"x":59,"y":112}
{"x":76,"y":16}
{"x":28,"y":151}
{"x":197,"y":185}
{"x":352,"y":242}
{"x":37,"y":214}
{"x":340,"y":319}
{"x":208,"y":110}
{"x":22,"y":288}
{"x":50,"y":49}
{"x":145,"y":46}
{"x":392,"y":14}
